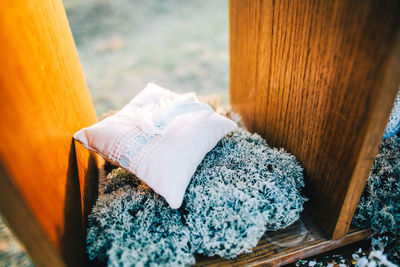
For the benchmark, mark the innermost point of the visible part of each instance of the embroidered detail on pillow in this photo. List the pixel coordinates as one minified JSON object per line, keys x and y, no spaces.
{"x":161,"y":137}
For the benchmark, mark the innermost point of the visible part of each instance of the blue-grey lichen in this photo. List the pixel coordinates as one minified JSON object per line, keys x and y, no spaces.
{"x":134,"y":226}
{"x":241,"y":188}
{"x":379,"y":207}
{"x":393,"y":126}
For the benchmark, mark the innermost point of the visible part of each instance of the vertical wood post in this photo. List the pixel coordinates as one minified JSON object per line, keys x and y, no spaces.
{"x":44,"y":100}
{"x":318,"y":78}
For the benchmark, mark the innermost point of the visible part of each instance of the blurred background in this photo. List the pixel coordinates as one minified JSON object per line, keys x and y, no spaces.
{"x":124,"y":44}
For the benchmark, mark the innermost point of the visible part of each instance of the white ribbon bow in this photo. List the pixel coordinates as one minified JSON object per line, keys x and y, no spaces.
{"x":154,"y":118}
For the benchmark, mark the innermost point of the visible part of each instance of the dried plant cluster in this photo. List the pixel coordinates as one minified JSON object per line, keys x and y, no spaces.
{"x":379,"y":207}
{"x":241,"y":189}
{"x":134,"y":226}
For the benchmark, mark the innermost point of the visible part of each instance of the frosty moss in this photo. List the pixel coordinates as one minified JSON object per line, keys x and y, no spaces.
{"x":379,"y":207}
{"x":241,"y":188}
{"x":134,"y":226}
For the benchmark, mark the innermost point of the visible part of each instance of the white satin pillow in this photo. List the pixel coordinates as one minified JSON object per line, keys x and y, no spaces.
{"x":161,"y":137}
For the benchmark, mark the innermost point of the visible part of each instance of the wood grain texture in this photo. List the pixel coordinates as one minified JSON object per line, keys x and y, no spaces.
{"x":245,"y":12}
{"x":318,"y":78}
{"x":44,"y":100}
{"x":302,"y":240}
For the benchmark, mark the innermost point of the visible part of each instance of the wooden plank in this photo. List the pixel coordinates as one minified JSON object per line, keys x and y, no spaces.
{"x":246,"y":12}
{"x":44,"y":101}
{"x":301,"y":240}
{"x":326,"y":77}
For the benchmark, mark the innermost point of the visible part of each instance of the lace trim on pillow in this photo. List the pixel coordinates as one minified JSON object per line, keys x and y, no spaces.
{"x":150,"y":124}
{"x":132,"y":147}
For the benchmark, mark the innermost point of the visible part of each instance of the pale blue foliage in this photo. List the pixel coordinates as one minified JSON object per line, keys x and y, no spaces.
{"x":134,"y":226}
{"x":241,"y":189}
{"x":379,"y":207}
{"x":393,"y":126}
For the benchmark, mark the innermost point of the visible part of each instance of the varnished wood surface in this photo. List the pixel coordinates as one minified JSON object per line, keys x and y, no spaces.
{"x":301,"y":240}
{"x":319,"y":79}
{"x":44,"y":100}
